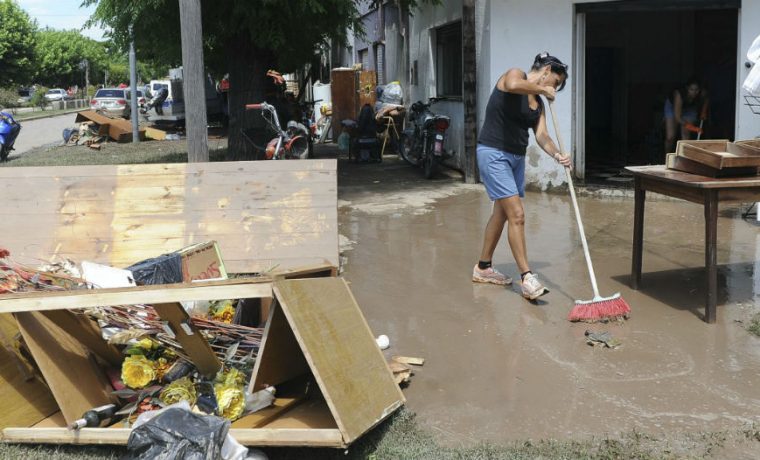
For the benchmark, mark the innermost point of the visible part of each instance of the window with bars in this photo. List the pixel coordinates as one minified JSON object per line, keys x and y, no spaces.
{"x":448,"y":60}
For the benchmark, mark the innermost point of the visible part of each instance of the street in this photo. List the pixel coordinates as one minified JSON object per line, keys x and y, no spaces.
{"x":41,"y":132}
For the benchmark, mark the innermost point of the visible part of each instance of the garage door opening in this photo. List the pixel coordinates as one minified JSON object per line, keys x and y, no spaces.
{"x":634,"y":60}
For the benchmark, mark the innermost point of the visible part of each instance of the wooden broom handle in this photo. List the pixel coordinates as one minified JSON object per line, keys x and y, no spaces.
{"x":575,"y":205}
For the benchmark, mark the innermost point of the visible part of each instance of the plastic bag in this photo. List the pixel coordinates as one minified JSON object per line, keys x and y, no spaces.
{"x":752,"y":82}
{"x":392,"y":93}
{"x":176,"y":433}
{"x":165,"y":269}
{"x":343,"y":140}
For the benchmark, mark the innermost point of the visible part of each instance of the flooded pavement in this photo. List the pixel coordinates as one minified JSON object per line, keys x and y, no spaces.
{"x":501,"y":368}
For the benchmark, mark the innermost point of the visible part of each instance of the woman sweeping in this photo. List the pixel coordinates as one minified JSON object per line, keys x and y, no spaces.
{"x":514,"y":107}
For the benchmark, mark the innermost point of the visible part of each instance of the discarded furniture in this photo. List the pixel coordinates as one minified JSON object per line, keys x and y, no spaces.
{"x":703,"y":190}
{"x":333,"y":383}
{"x":117,"y":129}
{"x":715,"y":158}
{"x":264,"y":214}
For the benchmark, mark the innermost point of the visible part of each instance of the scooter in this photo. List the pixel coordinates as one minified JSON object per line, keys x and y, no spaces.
{"x":422,"y":144}
{"x":9,"y":129}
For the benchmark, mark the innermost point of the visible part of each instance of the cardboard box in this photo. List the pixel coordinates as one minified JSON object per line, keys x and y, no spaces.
{"x":202,"y":261}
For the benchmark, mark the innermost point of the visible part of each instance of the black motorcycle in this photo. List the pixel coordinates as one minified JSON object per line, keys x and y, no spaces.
{"x":422,"y":143}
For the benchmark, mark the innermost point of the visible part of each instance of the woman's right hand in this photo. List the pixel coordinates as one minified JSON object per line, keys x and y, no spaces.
{"x":549,"y":92}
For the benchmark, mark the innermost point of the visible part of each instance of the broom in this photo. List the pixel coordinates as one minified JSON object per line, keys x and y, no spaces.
{"x":599,"y":308}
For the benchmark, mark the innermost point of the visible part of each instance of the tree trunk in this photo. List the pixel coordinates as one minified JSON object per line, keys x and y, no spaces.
{"x":248,"y":67}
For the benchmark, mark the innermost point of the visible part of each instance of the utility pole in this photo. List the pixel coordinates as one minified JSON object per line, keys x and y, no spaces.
{"x":134,"y":113}
{"x":470,"y":91}
{"x":86,"y":77}
{"x":194,"y":83}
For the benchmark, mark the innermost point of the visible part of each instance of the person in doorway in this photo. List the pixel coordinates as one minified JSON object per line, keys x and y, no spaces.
{"x":685,"y":110}
{"x":514,"y":107}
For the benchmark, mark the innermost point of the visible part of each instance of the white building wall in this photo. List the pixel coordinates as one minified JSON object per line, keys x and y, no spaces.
{"x":520,"y":29}
{"x":747,"y":123}
{"x":422,"y":49}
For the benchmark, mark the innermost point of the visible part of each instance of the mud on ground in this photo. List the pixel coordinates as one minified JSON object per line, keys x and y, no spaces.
{"x":499,"y":368}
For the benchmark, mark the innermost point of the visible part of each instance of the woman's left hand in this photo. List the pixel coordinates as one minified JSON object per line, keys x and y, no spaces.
{"x":564,"y":160}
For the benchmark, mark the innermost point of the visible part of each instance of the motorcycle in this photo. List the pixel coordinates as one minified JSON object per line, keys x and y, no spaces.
{"x":306,"y":109}
{"x":422,"y":144}
{"x":290,"y":143}
{"x":9,"y":129}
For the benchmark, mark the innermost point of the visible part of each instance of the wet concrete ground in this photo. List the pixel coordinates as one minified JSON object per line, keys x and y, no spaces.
{"x":500,"y":368}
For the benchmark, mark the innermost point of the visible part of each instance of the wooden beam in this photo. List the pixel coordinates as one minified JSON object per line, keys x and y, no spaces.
{"x":194,"y":80}
{"x":216,"y":290}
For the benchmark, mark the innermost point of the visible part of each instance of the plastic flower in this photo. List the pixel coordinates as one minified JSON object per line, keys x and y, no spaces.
{"x":147,"y":344}
{"x":179,"y":390}
{"x":223,"y":312}
{"x":232,"y":377}
{"x":230,"y":401}
{"x":137,"y":371}
{"x":162,"y":366}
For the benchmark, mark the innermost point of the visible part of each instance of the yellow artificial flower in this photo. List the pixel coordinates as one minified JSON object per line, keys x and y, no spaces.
{"x":230,"y":401}
{"x":137,"y":371}
{"x":179,"y":390}
{"x":162,"y":367}
{"x":224,"y":313}
{"x":147,"y":344}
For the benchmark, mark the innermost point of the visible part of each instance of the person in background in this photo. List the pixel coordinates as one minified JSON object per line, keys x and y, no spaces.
{"x":514,"y":107}
{"x":685,"y":110}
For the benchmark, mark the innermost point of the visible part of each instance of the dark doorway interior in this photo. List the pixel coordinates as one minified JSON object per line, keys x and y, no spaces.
{"x":634,"y":61}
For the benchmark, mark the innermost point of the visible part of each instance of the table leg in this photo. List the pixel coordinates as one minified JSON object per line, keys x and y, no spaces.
{"x":638,"y":233}
{"x":711,"y":238}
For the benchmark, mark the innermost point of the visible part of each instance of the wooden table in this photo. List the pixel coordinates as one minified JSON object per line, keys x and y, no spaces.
{"x":703,"y":190}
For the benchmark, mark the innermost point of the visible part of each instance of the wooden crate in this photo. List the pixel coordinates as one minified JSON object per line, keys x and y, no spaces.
{"x":680,"y":163}
{"x":720,"y":154}
{"x":316,"y":338}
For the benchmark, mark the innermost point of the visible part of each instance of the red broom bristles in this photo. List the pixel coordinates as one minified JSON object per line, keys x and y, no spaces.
{"x":603,"y":310}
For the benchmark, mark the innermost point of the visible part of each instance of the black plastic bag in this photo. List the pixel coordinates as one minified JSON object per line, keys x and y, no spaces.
{"x":165,"y":269}
{"x":177,"y":434}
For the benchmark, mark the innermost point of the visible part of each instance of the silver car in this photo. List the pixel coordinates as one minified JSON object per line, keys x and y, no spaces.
{"x":56,"y":94}
{"x":115,"y":101}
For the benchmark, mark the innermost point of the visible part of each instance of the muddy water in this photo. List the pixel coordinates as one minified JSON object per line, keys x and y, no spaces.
{"x":501,"y":368}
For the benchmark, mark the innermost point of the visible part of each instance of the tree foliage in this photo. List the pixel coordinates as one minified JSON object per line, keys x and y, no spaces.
{"x":60,"y":57}
{"x":17,"y":38}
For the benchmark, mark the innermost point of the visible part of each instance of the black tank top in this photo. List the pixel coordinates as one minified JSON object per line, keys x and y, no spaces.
{"x":508,"y":118}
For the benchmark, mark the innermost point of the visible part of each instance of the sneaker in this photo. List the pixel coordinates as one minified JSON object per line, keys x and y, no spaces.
{"x":490,"y":275}
{"x":532,"y":287}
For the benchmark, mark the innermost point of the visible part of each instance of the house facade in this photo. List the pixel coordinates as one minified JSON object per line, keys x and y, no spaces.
{"x":626,"y":58}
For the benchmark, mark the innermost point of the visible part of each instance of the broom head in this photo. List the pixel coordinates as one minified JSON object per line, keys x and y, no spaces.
{"x":600,"y":309}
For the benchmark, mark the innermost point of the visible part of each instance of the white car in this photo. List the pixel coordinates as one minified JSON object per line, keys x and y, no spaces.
{"x":56,"y":94}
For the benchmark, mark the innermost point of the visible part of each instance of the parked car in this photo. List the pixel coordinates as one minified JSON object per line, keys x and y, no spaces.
{"x":56,"y":94}
{"x":25,"y":95}
{"x":115,"y":101}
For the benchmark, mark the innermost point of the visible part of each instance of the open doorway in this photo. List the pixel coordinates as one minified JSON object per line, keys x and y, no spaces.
{"x":636,"y":56}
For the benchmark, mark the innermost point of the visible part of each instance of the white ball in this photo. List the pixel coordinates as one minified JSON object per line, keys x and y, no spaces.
{"x":383,"y":342}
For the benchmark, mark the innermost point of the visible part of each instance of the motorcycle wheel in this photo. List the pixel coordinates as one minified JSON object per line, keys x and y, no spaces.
{"x":405,"y":146}
{"x":430,"y":166}
{"x":4,"y":153}
{"x":299,"y":150}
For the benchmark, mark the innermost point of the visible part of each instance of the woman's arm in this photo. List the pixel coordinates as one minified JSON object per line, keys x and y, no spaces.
{"x":514,"y":81}
{"x":547,"y":144}
{"x":677,"y":106}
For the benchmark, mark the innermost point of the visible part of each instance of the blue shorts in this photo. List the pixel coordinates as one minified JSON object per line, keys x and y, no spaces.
{"x":502,"y":173}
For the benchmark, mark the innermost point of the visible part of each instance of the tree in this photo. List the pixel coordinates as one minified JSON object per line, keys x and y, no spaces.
{"x":60,"y":54}
{"x":17,"y":40}
{"x":244,"y":39}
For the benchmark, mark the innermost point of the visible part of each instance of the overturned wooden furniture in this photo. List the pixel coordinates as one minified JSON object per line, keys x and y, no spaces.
{"x":715,"y":158}
{"x":263,"y":214}
{"x":332,"y":381}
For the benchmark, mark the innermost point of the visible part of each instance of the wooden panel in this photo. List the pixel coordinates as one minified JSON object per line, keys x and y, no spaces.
{"x":280,"y":357}
{"x":266,"y":415}
{"x":367,"y":89}
{"x":263,"y":213}
{"x":694,"y":195}
{"x":661,"y":174}
{"x":341,"y":351}
{"x":88,"y":333}
{"x":25,"y":402}
{"x":193,"y":344}
{"x":210,"y":290}
{"x":313,"y":413}
{"x":76,"y":381}
{"x":344,"y":98}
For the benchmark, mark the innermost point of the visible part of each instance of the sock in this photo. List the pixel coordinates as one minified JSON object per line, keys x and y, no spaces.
{"x":483,"y":264}
{"x":522,"y":276}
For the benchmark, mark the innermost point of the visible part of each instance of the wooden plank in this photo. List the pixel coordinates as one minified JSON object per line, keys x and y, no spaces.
{"x":210,"y":290}
{"x":313,"y":413}
{"x":193,"y":343}
{"x":258,"y":211}
{"x":54,"y":421}
{"x":75,"y":379}
{"x":341,"y":351}
{"x":662,"y":174}
{"x":268,"y":414}
{"x":120,"y":436}
{"x":280,"y":357}
{"x":344,"y":98}
{"x":694,"y":195}
{"x":88,"y":333}
{"x":680,"y":163}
